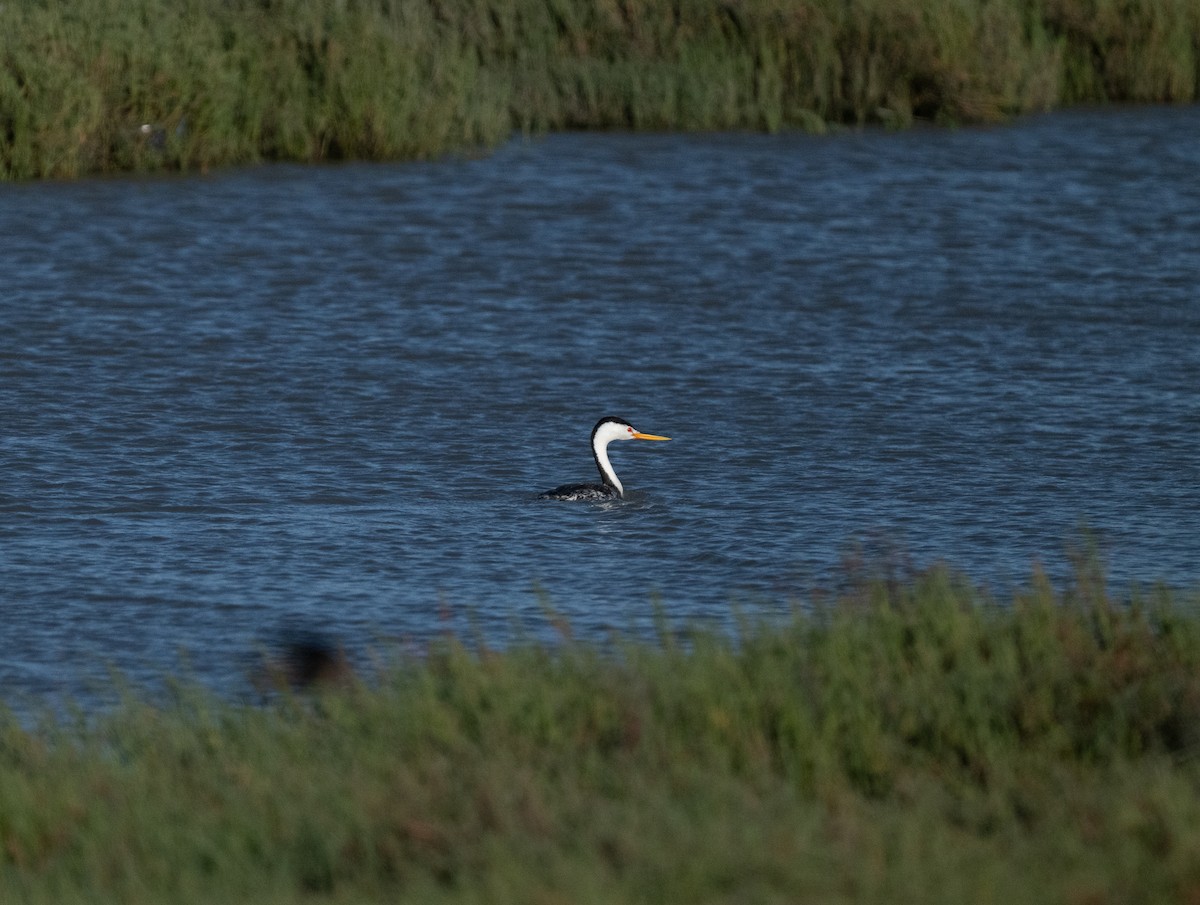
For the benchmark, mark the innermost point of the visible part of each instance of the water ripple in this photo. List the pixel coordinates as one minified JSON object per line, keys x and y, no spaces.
{"x":331,"y":394}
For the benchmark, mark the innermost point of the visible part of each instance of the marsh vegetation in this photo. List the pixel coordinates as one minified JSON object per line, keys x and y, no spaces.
{"x":907,"y":740}
{"x":103,"y":85}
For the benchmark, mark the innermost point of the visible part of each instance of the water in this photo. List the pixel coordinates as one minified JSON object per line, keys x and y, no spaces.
{"x":234,"y":402}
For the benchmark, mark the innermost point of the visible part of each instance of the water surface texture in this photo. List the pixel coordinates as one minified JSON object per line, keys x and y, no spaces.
{"x":331,"y":395}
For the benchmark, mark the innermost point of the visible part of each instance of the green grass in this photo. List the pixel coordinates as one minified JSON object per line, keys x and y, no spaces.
{"x":909,"y":741}
{"x":245,"y":80}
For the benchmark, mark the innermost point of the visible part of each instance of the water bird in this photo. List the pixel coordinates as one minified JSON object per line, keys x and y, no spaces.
{"x":605,"y":431}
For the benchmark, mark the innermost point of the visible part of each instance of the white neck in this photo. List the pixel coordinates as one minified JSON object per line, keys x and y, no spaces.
{"x":600,"y":448}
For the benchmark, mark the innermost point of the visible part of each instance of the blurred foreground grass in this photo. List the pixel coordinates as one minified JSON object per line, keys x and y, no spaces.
{"x":103,"y":85}
{"x":912,"y":741}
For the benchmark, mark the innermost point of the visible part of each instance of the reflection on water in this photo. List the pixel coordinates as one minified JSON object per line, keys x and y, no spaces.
{"x":332,"y":394}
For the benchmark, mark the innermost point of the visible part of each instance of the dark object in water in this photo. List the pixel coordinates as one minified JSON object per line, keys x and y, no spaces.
{"x":306,"y":659}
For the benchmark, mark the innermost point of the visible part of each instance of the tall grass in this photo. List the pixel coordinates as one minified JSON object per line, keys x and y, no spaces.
{"x":911,"y":741}
{"x":99,"y":85}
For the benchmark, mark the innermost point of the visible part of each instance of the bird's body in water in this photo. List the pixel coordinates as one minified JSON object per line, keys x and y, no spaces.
{"x":605,"y":431}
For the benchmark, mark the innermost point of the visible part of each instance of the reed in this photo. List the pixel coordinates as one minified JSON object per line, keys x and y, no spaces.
{"x":101,"y":85}
{"x":912,"y":740}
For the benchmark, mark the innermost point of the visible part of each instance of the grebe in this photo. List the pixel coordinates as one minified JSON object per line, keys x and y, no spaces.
{"x":605,"y":431}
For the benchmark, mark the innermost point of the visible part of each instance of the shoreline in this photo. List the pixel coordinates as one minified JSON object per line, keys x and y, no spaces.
{"x":909,"y":741}
{"x":150,"y":86}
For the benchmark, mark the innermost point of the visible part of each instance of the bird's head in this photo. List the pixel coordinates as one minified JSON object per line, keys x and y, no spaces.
{"x":609,"y":429}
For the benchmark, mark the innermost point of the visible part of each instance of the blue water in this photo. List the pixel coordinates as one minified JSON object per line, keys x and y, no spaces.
{"x":237,"y":401}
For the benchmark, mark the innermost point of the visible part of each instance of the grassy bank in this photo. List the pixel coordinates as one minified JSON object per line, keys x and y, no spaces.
{"x":909,"y":742}
{"x":102,"y":85}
